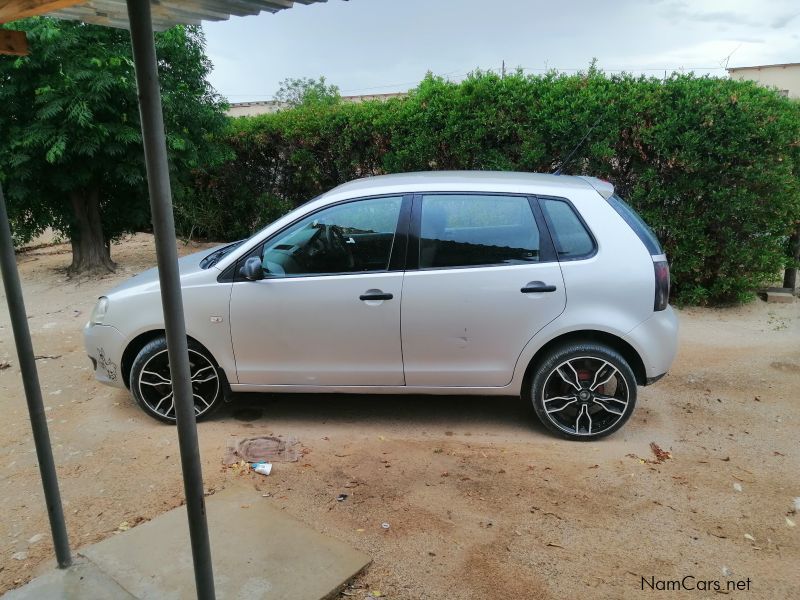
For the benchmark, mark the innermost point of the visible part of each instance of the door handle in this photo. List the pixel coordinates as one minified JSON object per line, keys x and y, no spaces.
{"x":375,"y":295}
{"x":537,"y":286}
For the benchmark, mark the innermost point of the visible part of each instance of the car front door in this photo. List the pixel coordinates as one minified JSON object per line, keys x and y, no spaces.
{"x":327,"y":312}
{"x":482,"y":280}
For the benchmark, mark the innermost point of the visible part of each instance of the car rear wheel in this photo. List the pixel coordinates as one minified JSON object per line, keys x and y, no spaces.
{"x":151,"y":381}
{"x":583,"y":391}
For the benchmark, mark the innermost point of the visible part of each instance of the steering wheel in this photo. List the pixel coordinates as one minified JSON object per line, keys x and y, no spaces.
{"x":315,"y":244}
{"x":336,"y":243}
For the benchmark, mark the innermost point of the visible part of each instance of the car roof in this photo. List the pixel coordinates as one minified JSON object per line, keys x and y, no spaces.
{"x":473,"y":181}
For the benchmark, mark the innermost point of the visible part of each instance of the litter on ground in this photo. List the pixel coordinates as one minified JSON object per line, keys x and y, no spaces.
{"x":263,"y":468}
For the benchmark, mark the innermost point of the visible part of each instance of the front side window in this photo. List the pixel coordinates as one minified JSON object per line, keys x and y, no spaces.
{"x":471,"y":230}
{"x":355,"y":237}
{"x":570,"y":236}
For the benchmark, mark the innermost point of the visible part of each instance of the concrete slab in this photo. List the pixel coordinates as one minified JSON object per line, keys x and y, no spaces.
{"x":257,"y":551}
{"x":780,"y":297}
{"x":82,"y":581}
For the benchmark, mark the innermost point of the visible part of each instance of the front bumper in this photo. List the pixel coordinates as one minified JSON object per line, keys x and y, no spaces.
{"x":104,"y":345}
{"x":656,"y":341}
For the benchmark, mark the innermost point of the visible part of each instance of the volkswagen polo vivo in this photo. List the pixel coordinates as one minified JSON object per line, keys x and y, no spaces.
{"x":545,"y":286}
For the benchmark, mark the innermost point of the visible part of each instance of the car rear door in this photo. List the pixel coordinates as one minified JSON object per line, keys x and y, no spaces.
{"x":482,"y":279}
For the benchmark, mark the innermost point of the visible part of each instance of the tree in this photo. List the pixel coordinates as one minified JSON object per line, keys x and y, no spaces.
{"x":71,"y":153}
{"x":298,"y":92}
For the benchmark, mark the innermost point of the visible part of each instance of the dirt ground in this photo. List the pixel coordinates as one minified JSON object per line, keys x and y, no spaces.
{"x":482,"y":502}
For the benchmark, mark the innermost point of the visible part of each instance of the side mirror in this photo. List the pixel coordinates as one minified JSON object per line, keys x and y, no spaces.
{"x":252,"y":269}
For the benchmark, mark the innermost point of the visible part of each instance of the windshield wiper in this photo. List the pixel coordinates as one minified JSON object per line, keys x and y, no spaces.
{"x":214,"y":257}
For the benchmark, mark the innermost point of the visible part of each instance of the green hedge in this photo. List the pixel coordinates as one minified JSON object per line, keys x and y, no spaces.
{"x":712,"y":164}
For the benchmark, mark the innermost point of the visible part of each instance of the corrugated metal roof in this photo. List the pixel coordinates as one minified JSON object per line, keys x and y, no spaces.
{"x":166,"y":13}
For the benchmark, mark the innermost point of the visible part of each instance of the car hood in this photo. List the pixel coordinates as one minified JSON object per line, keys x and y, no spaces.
{"x":148,"y":280}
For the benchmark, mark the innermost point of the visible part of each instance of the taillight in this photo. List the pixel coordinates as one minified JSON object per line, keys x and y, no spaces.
{"x":662,"y":284}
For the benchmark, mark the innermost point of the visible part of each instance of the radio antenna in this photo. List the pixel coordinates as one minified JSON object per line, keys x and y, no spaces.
{"x":575,"y":149}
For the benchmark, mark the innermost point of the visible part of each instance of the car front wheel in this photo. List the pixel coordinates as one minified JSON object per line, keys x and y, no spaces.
{"x":151,"y":381}
{"x":583,"y":391}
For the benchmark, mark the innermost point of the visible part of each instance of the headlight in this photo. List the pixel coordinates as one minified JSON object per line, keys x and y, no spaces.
{"x":99,"y":311}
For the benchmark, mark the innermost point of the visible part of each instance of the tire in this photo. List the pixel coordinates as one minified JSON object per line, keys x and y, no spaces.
{"x":151,"y":387}
{"x":583,"y":391}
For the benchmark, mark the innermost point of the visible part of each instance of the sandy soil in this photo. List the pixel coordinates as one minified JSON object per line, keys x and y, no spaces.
{"x":481,"y":501}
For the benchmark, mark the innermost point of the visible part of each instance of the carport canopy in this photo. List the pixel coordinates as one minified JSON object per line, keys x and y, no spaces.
{"x":165,"y":13}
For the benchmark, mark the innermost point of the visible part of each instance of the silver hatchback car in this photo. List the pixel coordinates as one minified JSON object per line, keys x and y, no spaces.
{"x":545,"y":286}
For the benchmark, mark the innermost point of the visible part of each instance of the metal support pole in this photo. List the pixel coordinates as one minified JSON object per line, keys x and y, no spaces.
{"x":155,"y":154}
{"x":33,"y":393}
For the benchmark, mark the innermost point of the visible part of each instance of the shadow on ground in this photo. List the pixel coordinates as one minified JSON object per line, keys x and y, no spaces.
{"x":404,"y":411}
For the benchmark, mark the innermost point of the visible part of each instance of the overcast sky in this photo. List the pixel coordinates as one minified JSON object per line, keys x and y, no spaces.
{"x":376,"y":46}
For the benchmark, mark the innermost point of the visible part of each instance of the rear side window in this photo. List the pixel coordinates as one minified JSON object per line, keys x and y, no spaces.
{"x":570,"y":236}
{"x":636,"y":223}
{"x":472,"y":230}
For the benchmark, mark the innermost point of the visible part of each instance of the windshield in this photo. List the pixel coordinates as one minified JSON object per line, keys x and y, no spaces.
{"x":213,"y":258}
{"x":218,"y":254}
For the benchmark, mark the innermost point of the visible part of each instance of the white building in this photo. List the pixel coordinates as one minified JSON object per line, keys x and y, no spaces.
{"x":786,"y":77}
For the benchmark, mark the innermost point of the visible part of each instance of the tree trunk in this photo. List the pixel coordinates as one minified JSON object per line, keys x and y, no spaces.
{"x":91,"y":252}
{"x":790,"y":278}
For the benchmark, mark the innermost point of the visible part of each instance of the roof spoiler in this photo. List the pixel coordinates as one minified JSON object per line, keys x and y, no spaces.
{"x":603,"y":187}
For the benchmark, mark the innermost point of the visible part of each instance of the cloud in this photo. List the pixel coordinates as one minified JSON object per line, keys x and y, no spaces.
{"x":720,"y":16}
{"x":679,"y":11}
{"x":748,"y":40}
{"x":783,"y":20}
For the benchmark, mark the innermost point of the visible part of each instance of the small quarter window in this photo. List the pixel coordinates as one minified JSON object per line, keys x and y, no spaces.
{"x":636,"y":223}
{"x":464,"y":230}
{"x":570,"y":236}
